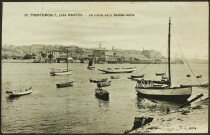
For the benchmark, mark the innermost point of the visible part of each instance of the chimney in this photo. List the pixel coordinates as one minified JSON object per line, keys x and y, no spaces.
{"x":100,"y":45}
{"x":112,"y":48}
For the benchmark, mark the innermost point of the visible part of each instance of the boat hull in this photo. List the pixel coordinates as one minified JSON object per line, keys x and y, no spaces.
{"x":118,"y":71}
{"x":60,"y":73}
{"x":178,"y":94}
{"x":61,"y":85}
{"x":102,"y":94}
{"x":18,"y":93}
{"x":115,"y":77}
{"x":104,"y":84}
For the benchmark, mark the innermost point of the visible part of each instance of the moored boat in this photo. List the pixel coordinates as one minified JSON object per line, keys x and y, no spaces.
{"x":18,"y":93}
{"x":160,"y":74}
{"x":102,"y":94}
{"x":104,"y":84}
{"x":163,"y":89}
{"x":118,"y":70}
{"x":58,"y":72}
{"x":66,"y":84}
{"x":137,"y":76}
{"x":98,"y":80}
{"x":199,"y":76}
{"x":115,"y":77}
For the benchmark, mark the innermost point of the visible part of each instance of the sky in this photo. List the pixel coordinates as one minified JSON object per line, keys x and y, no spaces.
{"x":147,"y":29}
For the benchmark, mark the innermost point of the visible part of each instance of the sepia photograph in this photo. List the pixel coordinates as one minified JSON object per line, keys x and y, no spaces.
{"x":105,"y":67}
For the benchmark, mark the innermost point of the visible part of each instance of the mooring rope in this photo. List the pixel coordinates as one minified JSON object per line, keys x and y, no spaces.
{"x":185,"y":58}
{"x":153,"y":57}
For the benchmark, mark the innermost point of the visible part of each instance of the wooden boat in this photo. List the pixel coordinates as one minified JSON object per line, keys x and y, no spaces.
{"x":188,"y":75}
{"x":18,"y":93}
{"x":98,"y":80}
{"x":199,"y":76}
{"x":162,"y":89}
{"x":137,"y":76}
{"x":91,"y":64}
{"x":103,"y":84}
{"x":66,"y":84}
{"x":102,"y":94}
{"x":160,"y":74}
{"x":115,"y":77}
{"x":58,"y":72}
{"x":118,"y":70}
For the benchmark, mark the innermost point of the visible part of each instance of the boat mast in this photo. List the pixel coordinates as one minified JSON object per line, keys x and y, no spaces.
{"x":169,"y":37}
{"x":67,"y":59}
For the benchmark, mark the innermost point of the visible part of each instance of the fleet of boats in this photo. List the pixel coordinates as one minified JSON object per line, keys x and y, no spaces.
{"x":161,"y":89}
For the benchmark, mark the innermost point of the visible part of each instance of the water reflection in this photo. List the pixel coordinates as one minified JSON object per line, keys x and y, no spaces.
{"x":11,"y":98}
{"x":103,"y":105}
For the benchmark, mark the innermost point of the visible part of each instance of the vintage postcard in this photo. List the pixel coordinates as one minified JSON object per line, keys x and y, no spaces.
{"x":105,"y":67}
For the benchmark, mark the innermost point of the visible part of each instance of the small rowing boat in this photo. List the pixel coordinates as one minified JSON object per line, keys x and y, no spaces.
{"x":104,"y":84}
{"x":98,"y":80}
{"x":114,"y":77}
{"x":18,"y":93}
{"x":66,"y":84}
{"x":102,"y":94}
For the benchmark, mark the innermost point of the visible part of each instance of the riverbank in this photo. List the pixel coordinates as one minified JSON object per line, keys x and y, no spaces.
{"x":17,"y":61}
{"x":76,"y":61}
{"x":194,"y":121}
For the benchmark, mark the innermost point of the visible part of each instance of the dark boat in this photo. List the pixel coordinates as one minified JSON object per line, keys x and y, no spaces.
{"x":199,"y":76}
{"x":137,"y":76}
{"x":114,"y":77}
{"x":102,"y":94}
{"x":104,"y":84}
{"x":188,"y":75}
{"x":98,"y":80}
{"x":160,"y":74}
{"x":66,"y":84}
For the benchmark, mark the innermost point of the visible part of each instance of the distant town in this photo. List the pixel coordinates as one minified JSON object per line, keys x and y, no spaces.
{"x":40,"y":53}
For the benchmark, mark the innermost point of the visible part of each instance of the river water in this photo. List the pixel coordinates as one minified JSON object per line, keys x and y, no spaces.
{"x":76,"y":109}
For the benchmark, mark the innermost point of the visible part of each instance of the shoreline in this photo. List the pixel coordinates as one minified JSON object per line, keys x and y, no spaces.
{"x":33,"y":61}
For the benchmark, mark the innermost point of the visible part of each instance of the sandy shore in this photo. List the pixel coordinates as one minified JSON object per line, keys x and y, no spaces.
{"x":196,"y":121}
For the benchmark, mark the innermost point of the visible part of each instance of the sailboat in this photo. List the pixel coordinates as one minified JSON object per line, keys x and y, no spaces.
{"x":91,"y":64}
{"x":57,"y":72}
{"x":163,"y":89}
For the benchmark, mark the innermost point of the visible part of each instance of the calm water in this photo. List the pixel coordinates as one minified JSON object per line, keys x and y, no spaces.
{"x":76,"y":109}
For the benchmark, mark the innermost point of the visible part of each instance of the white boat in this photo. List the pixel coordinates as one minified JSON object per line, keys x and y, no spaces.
{"x":57,"y":72}
{"x":91,"y":64}
{"x":162,"y":89}
{"x":18,"y":93}
{"x":118,"y":70}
